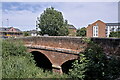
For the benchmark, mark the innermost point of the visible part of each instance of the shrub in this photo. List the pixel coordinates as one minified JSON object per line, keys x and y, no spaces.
{"x":13,"y":48}
{"x":79,"y":68}
{"x":115,"y":34}
{"x":95,"y":65}
{"x":18,"y":63}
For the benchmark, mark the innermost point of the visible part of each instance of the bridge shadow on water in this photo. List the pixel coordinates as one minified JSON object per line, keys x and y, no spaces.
{"x":42,"y":61}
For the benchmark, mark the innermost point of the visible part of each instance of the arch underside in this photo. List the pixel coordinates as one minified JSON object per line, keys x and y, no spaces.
{"x":41,"y":60}
{"x":45,"y":61}
{"x":67,"y":65}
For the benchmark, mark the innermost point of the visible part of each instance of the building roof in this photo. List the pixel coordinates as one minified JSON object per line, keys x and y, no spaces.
{"x":32,"y":31}
{"x":112,"y":24}
{"x":7,"y":29}
{"x":71,"y":27}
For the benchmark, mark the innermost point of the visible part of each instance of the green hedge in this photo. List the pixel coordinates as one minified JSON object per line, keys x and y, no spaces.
{"x":95,"y":65}
{"x":18,"y":63}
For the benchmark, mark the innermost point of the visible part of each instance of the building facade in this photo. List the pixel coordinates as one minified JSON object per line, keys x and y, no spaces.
{"x":10,"y":32}
{"x":101,"y":29}
{"x":72,"y":30}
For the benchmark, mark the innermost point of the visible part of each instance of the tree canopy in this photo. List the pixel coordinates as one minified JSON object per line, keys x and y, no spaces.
{"x":93,"y":64}
{"x":51,"y":22}
{"x":114,"y":34}
{"x":81,"y":32}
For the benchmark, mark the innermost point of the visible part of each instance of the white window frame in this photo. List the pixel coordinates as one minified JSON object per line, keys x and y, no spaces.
{"x":95,"y":31}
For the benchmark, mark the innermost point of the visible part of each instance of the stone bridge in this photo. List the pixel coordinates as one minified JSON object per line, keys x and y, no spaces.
{"x":111,"y":46}
{"x":57,"y":53}
{"x":54,"y":53}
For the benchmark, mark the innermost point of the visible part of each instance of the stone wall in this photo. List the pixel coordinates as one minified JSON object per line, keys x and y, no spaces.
{"x":72,"y":43}
{"x":111,"y":46}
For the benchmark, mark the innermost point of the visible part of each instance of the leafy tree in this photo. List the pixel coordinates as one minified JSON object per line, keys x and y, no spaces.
{"x":97,"y":62}
{"x":51,"y":22}
{"x":79,"y":68}
{"x":81,"y":32}
{"x":95,"y":65}
{"x":18,"y":63}
{"x":26,"y":33}
{"x":115,"y":34}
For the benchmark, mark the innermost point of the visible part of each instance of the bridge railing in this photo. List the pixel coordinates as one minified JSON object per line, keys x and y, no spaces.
{"x":72,"y":43}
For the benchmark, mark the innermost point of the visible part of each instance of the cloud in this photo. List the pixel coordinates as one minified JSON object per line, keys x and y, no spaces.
{"x":59,"y":0}
{"x":17,"y":6}
{"x":25,"y":20}
{"x":0,"y":14}
{"x":80,"y":14}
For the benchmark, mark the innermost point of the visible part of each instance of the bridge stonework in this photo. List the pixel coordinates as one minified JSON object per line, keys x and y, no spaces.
{"x":111,"y":46}
{"x":59,"y":50}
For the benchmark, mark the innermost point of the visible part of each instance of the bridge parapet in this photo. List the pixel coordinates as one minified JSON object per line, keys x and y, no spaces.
{"x":57,"y":42}
{"x":111,"y":46}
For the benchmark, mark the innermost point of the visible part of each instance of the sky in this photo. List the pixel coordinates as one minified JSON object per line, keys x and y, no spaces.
{"x":23,"y":15}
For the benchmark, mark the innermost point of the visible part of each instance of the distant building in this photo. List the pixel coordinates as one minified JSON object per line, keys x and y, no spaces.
{"x":101,"y":29}
{"x":10,"y":32}
{"x":72,"y":30}
{"x":33,"y":33}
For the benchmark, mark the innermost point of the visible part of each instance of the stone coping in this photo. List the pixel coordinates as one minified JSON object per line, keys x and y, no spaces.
{"x":53,"y":49}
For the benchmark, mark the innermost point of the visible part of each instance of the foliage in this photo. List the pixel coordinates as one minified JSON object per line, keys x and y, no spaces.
{"x":0,"y":58}
{"x":14,"y":48}
{"x":81,"y":32}
{"x":26,"y":33}
{"x":113,"y":68}
{"x":17,"y":63}
{"x":18,"y":67}
{"x":79,"y":68}
{"x":115,"y":34}
{"x":96,"y":65}
{"x":51,"y":22}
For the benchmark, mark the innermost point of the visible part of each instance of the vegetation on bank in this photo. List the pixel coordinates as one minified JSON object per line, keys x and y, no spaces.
{"x":93,"y":64}
{"x":115,"y":34}
{"x":18,"y":63}
{"x":81,"y":32}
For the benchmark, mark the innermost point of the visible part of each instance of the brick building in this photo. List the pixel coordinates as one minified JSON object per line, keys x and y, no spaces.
{"x":72,"y":30}
{"x":10,"y":32}
{"x":101,"y":29}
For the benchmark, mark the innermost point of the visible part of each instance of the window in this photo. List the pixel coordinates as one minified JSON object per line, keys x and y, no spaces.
{"x":95,"y":31}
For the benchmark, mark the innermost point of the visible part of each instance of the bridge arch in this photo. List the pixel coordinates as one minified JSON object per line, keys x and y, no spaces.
{"x":67,"y":65}
{"x":42,"y":60}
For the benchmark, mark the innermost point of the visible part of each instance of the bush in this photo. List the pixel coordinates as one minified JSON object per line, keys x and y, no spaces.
{"x":13,"y":48}
{"x":81,"y":32}
{"x":79,"y":68}
{"x":115,"y":34}
{"x":95,"y":65}
{"x":19,"y":67}
{"x":17,"y":63}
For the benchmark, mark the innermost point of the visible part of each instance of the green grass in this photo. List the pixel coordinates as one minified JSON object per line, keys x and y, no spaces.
{"x":18,"y":63}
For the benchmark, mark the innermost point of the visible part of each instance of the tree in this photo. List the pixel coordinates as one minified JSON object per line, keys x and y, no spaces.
{"x":26,"y":33}
{"x":95,"y":65}
{"x":51,"y":22}
{"x":81,"y":32}
{"x":18,"y":63}
{"x":79,"y":68}
{"x":115,"y":34}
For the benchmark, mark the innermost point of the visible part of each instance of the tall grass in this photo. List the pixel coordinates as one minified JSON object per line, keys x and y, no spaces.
{"x":18,"y":63}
